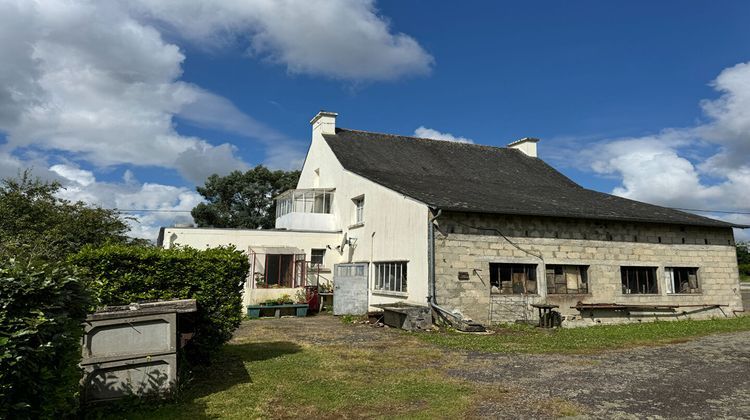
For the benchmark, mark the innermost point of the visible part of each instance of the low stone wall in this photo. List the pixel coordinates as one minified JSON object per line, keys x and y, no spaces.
{"x":258,"y":295}
{"x":607,"y":247}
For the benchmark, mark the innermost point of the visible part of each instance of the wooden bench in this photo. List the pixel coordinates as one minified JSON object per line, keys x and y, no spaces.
{"x":300,"y":309}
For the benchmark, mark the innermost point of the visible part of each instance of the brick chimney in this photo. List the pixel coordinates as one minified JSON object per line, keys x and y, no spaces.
{"x":324,"y":122}
{"x":526,"y":145}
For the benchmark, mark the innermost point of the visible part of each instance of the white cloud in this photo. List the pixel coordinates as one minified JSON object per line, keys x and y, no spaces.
{"x":730,"y":120}
{"x":79,"y":176}
{"x":672,"y":168}
{"x":340,"y":39}
{"x":173,"y":203}
{"x":99,"y":82}
{"x":429,"y":133}
{"x":92,"y":81}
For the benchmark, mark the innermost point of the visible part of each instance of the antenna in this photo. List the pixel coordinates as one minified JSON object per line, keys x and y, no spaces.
{"x":344,"y":242}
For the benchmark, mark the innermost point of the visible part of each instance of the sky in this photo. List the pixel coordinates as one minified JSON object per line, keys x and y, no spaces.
{"x":131,"y":104}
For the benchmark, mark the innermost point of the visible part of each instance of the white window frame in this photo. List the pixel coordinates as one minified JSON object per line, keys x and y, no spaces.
{"x":359,"y":210}
{"x":390,"y":277}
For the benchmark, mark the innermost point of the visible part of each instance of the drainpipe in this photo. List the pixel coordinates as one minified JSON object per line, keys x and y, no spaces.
{"x":432,"y":299}
{"x":431,"y":256}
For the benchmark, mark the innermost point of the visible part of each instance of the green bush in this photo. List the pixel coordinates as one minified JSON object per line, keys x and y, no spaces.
{"x":42,"y":308}
{"x":744,"y":270}
{"x":213,"y":277}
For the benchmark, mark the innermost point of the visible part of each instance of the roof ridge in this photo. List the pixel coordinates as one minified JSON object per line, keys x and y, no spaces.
{"x":427,"y":139}
{"x":486,"y":179}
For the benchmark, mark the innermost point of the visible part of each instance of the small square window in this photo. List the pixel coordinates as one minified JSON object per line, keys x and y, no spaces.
{"x":316,"y":257}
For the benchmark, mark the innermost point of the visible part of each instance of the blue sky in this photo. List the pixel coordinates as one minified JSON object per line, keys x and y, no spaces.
{"x":131,"y":104}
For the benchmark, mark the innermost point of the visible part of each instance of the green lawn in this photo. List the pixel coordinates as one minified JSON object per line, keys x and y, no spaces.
{"x":525,"y":339}
{"x":398,"y":375}
{"x":284,"y":380}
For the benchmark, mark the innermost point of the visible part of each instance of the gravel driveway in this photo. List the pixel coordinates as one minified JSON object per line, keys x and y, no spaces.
{"x":707,"y":377}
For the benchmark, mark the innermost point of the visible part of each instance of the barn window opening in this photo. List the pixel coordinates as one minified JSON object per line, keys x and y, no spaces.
{"x":638,"y":280}
{"x":681,"y":280}
{"x":513,"y":279}
{"x":567,"y":279}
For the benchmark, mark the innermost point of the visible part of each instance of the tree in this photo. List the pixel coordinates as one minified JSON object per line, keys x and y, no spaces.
{"x":44,"y":299}
{"x":243,"y":200}
{"x":36,"y":224}
{"x":743,"y":253}
{"x":743,"y":260}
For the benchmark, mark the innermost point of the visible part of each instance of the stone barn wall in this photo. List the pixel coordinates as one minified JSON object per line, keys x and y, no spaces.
{"x":463,"y":258}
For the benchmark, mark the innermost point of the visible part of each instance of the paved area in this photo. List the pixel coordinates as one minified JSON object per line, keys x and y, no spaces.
{"x":707,"y":377}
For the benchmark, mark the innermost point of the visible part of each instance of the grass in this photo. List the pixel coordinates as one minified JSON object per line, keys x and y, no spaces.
{"x":525,"y":339}
{"x":744,"y":277}
{"x":352,"y":319}
{"x":269,"y":375}
{"x":284,"y":380}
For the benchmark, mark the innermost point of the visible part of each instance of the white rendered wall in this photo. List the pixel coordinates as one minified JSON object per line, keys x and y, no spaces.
{"x":245,"y":239}
{"x":394,"y":229}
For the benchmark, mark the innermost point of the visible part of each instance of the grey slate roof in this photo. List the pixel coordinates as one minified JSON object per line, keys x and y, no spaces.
{"x":484,"y":179}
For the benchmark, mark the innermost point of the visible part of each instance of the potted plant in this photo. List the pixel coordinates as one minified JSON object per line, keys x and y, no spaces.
{"x":260,"y":280}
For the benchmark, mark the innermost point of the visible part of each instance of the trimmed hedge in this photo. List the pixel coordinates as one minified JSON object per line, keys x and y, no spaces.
{"x":213,"y":277}
{"x":42,"y":308}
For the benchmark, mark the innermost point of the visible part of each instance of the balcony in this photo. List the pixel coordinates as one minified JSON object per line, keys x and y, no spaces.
{"x":309,"y":209}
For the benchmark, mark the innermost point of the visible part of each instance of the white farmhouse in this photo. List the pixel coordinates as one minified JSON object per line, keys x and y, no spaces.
{"x":483,"y":231}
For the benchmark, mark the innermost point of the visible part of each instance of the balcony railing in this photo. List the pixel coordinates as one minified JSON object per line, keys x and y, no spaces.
{"x":308,"y":209}
{"x":316,"y":200}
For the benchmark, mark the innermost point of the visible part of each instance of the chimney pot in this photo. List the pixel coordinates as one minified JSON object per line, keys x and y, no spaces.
{"x":324,"y":122}
{"x":527,"y":145}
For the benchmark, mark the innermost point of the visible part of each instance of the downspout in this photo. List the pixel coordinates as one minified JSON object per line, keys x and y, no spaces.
{"x":431,"y":299}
